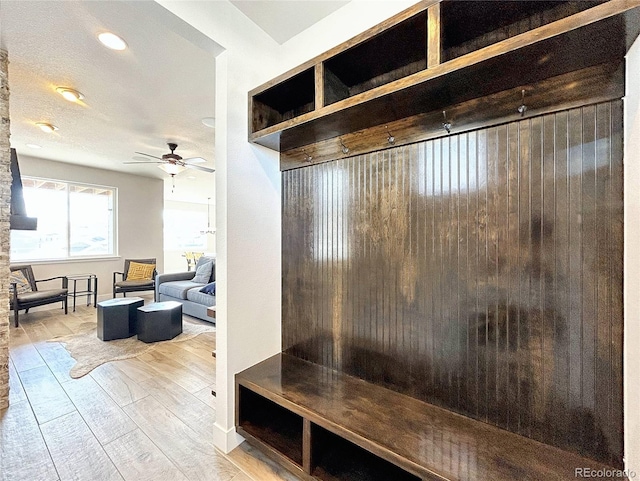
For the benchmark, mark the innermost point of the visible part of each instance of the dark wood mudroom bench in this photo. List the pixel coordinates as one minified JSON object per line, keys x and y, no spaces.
{"x":322,"y":424}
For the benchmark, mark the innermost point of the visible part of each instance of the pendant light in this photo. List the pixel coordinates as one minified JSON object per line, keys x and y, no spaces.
{"x":209,"y":229}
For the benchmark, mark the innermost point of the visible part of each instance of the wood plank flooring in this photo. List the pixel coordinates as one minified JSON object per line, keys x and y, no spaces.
{"x":146,"y":418}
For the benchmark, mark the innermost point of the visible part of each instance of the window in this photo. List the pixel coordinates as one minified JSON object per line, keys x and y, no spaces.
{"x":183,"y":230}
{"x":74,"y":220}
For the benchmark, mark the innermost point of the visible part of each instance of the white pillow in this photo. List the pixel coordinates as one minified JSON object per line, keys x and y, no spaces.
{"x":203,"y":273}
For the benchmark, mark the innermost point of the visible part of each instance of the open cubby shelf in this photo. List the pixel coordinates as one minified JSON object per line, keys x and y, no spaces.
{"x":275,"y":425}
{"x":285,"y":100}
{"x":433,"y":56}
{"x":469,"y":25}
{"x":325,"y":425}
{"x":335,"y":458}
{"x":395,"y":53}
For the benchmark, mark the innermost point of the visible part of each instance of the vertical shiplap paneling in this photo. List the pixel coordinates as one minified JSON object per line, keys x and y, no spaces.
{"x":575,"y":263}
{"x":588,"y":270}
{"x":512,"y":249}
{"x":524,"y":281}
{"x":615,"y":254}
{"x":561,"y":285}
{"x":548,"y":250}
{"x":479,"y":271}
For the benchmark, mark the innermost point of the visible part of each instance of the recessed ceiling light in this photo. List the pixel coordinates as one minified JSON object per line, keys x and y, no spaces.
{"x":112,"y":41}
{"x":34,"y":146}
{"x":70,"y":94}
{"x":209,"y":122}
{"x":45,"y":127}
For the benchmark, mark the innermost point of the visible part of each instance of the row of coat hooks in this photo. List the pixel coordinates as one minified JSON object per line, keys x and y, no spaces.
{"x":446,"y":126}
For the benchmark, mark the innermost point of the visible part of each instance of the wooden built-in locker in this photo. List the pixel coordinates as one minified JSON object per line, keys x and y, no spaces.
{"x":479,"y":270}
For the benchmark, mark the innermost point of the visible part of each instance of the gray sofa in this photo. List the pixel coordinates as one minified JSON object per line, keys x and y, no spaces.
{"x":181,"y":288}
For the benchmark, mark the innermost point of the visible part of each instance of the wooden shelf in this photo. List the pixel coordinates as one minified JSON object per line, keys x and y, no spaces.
{"x":285,"y":100}
{"x":348,"y":423}
{"x":335,"y":458}
{"x":590,"y":37}
{"x":278,"y":427}
{"x":469,"y":25}
{"x":393,"y":54}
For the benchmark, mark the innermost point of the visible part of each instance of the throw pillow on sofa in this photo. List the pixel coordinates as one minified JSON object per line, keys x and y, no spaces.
{"x":209,"y":288}
{"x":203,"y":273}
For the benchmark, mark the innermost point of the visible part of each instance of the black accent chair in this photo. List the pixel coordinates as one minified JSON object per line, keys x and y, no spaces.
{"x":35,"y":297}
{"x":123,"y":286}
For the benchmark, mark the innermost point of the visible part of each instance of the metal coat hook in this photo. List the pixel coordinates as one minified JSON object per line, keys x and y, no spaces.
{"x":446,"y":125}
{"x":390,"y":138}
{"x":307,"y":157}
{"x":345,"y":149}
{"x":523,"y":108}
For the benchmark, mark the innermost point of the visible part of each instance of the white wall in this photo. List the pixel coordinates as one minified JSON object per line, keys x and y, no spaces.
{"x":247,"y":207}
{"x":248,"y":203}
{"x":632,"y":261}
{"x":139,"y":216}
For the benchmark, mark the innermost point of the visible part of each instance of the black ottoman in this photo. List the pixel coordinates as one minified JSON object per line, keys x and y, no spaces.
{"x":159,"y":321}
{"x":117,"y":317}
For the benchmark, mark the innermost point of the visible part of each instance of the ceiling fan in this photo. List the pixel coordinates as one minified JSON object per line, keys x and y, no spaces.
{"x":172,"y":163}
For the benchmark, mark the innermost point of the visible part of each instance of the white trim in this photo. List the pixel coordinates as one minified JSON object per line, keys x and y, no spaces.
{"x":67,"y":260}
{"x":226,"y":441}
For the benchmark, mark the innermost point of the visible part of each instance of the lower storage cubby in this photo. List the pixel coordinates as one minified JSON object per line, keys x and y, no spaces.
{"x":272,"y":424}
{"x":318,"y":415}
{"x":334,"y":458}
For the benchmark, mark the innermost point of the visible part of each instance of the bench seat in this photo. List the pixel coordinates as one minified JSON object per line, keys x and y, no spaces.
{"x":295,"y":411}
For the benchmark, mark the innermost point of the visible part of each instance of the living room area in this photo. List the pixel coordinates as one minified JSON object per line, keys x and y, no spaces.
{"x":422,"y":220}
{"x":98,"y":208}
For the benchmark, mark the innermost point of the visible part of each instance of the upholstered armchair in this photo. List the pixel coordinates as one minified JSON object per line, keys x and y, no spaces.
{"x":25,"y":293}
{"x":138,"y":275}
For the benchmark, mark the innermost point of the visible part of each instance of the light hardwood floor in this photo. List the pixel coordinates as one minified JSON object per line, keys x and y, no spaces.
{"x":146,"y":418}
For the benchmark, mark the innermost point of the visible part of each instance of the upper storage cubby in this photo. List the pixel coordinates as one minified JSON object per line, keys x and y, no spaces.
{"x":469,"y":25}
{"x":437,"y":56}
{"x":285,"y":100}
{"x":393,"y":54}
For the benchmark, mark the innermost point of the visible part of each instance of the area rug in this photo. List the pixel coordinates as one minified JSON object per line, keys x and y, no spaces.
{"x":89,"y":352}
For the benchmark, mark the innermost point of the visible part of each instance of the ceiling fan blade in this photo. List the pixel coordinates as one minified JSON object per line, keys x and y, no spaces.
{"x":149,"y":155}
{"x":204,"y":169}
{"x":194,"y":160}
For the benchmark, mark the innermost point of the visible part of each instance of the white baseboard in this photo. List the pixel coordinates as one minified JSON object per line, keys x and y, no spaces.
{"x":226,"y":440}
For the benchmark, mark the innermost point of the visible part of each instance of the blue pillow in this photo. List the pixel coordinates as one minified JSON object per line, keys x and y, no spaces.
{"x":209,"y":288}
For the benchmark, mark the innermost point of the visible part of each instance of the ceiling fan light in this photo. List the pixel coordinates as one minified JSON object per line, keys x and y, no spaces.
{"x":172,"y":169}
{"x":70,"y":94}
{"x":46,"y":127}
{"x":112,"y":41}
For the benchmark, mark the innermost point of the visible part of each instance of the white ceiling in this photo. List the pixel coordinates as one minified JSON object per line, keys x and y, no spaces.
{"x":156,"y":91}
{"x":284,"y":19}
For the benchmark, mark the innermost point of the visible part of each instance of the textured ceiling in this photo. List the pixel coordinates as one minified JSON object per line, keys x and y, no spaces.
{"x":283,"y":20}
{"x":156,"y":91}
